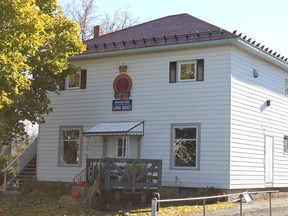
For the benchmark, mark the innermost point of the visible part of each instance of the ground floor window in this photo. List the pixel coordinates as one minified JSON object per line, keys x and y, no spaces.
{"x":185,"y":145}
{"x":70,"y":145}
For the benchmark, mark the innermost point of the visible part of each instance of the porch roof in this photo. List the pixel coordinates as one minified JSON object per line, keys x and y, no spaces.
{"x":116,"y":128}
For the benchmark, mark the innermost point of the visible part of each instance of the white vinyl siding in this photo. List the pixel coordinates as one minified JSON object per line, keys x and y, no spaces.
{"x":252,"y":120}
{"x":156,"y":102}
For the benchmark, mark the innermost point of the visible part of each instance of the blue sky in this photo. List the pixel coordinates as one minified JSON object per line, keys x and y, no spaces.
{"x":262,"y":20}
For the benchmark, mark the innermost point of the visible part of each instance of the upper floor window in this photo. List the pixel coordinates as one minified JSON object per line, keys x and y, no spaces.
{"x":75,"y":81}
{"x":192,"y":70}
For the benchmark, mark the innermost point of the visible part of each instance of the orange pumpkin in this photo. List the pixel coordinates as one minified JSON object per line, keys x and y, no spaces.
{"x":80,"y":183}
{"x":75,"y":194}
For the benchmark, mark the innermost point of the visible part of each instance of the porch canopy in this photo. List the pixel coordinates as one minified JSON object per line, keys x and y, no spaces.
{"x":116,"y":129}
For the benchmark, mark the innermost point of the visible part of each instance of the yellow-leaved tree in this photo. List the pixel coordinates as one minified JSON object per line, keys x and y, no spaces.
{"x":36,"y":40}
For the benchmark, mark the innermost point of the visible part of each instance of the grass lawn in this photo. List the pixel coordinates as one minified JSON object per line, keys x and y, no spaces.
{"x":42,"y":204}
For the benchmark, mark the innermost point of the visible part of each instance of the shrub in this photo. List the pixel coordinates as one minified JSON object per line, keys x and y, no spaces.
{"x":4,"y":162}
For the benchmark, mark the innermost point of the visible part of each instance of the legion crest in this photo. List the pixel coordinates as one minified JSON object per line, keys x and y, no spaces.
{"x":122,"y":84}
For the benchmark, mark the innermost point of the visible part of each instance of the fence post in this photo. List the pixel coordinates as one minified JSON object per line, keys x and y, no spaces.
{"x":204,"y":207}
{"x":241,"y":204}
{"x":154,"y":207}
{"x":157,"y":196}
{"x":270,"y":205}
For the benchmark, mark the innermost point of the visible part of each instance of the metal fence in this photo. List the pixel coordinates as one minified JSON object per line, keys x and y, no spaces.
{"x":155,"y":205}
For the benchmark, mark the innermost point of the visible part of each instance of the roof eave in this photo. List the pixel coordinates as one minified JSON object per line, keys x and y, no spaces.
{"x":169,"y":47}
{"x":261,"y":53}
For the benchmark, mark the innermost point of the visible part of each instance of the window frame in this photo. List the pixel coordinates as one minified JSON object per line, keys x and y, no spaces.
{"x":174,"y":71}
{"x":64,"y":85}
{"x":179,"y":71}
{"x":173,"y":126}
{"x":61,"y":162}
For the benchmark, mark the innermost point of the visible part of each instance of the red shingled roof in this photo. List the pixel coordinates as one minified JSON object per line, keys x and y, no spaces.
{"x":168,"y":30}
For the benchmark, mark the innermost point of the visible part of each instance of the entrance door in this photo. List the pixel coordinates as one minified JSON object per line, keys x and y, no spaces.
{"x":269,"y":143}
{"x":121,"y":147}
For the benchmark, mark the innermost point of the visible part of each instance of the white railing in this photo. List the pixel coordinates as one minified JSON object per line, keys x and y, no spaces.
{"x":155,"y":205}
{"x":22,"y":159}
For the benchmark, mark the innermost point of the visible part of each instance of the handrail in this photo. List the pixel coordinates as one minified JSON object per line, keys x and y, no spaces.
{"x":33,"y":144}
{"x":80,"y":176}
{"x":23,"y":159}
{"x":26,"y":156}
{"x":155,"y":201}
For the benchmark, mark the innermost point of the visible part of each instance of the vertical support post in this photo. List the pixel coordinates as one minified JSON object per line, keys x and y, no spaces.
{"x":159,"y":174}
{"x":204,"y":207}
{"x":270,"y":204}
{"x":108,"y":164}
{"x":154,"y":207}
{"x":5,"y":180}
{"x":241,"y":205}
{"x":133,"y":176}
{"x":87,"y":171}
{"x":20,"y":165}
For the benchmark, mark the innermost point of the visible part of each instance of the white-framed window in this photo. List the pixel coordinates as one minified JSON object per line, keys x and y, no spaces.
{"x":70,"y":146}
{"x":285,"y":144}
{"x":73,"y":81}
{"x":286,"y":87}
{"x":121,"y":147}
{"x":186,"y":71}
{"x":185,"y":145}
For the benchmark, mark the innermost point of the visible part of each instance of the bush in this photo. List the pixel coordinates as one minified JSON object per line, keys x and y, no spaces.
{"x":52,"y":189}
{"x":4,"y":162}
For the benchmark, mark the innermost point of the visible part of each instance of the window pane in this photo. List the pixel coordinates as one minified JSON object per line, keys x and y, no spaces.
{"x":187,"y":71}
{"x":185,"y":133}
{"x":185,"y":153}
{"x":70,"y":134}
{"x":74,"y":80}
{"x":121,"y":152}
{"x":71,"y":152}
{"x":70,"y":146}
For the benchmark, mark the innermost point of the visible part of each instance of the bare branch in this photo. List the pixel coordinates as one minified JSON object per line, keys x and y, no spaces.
{"x":121,"y":19}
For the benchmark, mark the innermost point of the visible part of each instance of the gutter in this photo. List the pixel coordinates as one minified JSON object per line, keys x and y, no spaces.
{"x":158,"y":48}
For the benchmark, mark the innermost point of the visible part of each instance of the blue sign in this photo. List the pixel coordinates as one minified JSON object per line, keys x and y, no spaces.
{"x":122,"y":105}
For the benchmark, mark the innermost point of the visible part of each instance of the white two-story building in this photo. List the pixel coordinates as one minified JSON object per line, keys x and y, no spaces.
{"x":207,"y":102}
